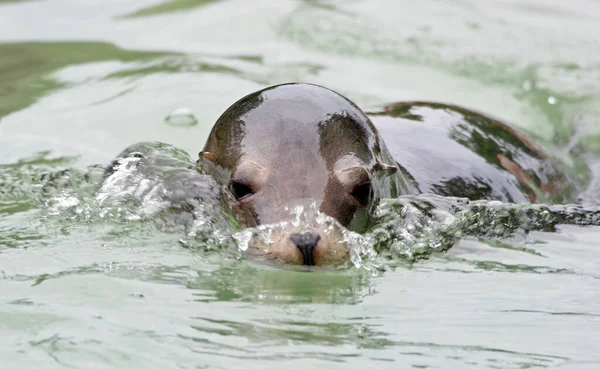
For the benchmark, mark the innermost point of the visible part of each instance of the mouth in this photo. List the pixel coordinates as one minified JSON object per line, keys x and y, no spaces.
{"x":307,"y":256}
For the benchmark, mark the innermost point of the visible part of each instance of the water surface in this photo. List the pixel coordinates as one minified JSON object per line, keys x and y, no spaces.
{"x":80,"y":81}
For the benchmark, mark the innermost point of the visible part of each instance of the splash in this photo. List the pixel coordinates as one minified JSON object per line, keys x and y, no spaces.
{"x":414,"y":227}
{"x":306,"y":218}
{"x":156,"y":186}
{"x":152,"y":185}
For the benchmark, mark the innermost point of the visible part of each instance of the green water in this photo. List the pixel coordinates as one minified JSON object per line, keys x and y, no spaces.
{"x":80,"y":81}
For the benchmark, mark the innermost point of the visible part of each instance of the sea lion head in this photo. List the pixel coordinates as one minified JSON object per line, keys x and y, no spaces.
{"x":296,"y":145}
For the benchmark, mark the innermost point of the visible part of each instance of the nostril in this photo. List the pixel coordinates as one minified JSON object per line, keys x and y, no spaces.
{"x":306,"y":242}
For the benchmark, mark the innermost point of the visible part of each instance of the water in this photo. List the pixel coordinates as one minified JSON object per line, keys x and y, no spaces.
{"x":80,"y":81}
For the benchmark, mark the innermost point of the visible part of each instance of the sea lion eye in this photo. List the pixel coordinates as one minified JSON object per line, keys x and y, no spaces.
{"x":240,"y":190}
{"x":362,"y":193}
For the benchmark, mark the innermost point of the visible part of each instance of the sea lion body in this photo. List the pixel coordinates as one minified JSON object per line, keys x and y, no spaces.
{"x":452,"y":151}
{"x":303,"y":148}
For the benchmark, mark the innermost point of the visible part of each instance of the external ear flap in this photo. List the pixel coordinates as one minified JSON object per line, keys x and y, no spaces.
{"x":207,"y":155}
{"x":388,"y":169}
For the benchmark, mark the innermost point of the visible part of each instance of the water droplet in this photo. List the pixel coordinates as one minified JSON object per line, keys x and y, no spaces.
{"x":181,"y":117}
{"x":243,"y":239}
{"x":551,"y":100}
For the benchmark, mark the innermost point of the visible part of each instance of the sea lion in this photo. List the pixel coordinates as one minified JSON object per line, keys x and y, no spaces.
{"x":296,"y":143}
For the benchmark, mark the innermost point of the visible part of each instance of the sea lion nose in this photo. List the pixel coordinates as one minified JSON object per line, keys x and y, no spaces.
{"x":306,"y":242}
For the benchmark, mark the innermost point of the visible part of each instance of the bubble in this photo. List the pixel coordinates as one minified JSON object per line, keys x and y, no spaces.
{"x":181,"y":117}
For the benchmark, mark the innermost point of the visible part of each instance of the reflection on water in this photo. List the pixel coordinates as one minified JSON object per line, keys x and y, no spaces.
{"x":24,"y":67}
{"x":169,"y":7}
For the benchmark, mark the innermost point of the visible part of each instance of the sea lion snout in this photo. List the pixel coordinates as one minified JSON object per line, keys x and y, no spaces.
{"x":306,"y":242}
{"x":305,"y":237}
{"x":310,"y":244}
